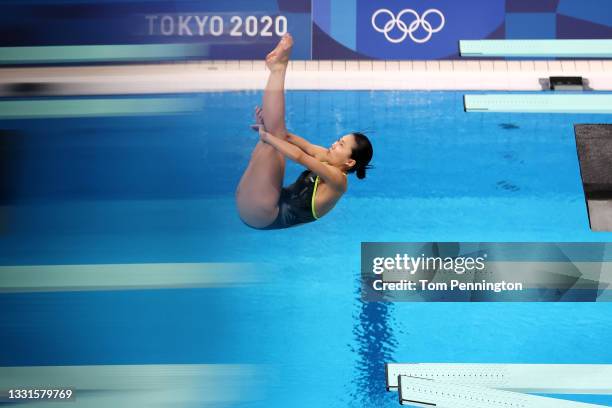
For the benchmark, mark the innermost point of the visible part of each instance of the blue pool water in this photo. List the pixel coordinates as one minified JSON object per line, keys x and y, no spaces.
{"x":160,"y":189}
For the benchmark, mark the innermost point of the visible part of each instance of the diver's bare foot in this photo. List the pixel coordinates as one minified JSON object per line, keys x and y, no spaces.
{"x":278,"y":58}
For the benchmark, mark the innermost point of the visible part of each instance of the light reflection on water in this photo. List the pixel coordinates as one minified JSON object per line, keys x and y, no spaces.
{"x":375,"y":343}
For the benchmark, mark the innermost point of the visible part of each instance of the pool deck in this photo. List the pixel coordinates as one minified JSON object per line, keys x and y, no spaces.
{"x":206,"y":76}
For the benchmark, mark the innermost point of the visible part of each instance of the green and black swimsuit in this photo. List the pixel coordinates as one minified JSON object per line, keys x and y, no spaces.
{"x":296,"y":204}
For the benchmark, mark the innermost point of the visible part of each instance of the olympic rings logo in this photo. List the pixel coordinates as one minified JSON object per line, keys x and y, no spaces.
{"x":408,"y":29}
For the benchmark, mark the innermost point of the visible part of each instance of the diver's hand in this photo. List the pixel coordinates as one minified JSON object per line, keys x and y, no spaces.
{"x":259,"y":121}
{"x":259,"y":118}
{"x":263,"y":135}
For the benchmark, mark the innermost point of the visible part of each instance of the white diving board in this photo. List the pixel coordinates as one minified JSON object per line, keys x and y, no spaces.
{"x":36,"y":278}
{"x":427,"y":393}
{"x":539,"y":103}
{"x":536,"y":48}
{"x":529,"y":378}
{"x":96,"y":107}
{"x":99,"y":53}
{"x":128,"y":386}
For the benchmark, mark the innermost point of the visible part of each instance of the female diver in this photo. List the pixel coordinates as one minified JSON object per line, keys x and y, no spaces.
{"x":262,"y":201}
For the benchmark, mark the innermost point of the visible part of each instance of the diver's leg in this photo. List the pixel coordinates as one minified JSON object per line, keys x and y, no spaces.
{"x":260,"y":187}
{"x":274,"y":94}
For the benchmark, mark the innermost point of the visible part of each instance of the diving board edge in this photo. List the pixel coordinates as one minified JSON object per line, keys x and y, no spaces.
{"x":442,"y":394}
{"x":526,"y":378}
{"x":537,"y":48}
{"x":542,"y":102}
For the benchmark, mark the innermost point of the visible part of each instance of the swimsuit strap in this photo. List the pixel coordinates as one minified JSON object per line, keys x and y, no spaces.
{"x":314,"y":194}
{"x":312,"y":200}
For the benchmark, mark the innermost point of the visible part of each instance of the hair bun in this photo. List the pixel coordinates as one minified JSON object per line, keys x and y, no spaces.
{"x":362,"y":154}
{"x":361,"y":172}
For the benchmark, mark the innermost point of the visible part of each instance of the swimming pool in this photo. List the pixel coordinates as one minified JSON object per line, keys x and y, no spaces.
{"x":160,"y":189}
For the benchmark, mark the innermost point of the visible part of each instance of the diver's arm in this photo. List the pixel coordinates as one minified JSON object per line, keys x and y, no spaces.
{"x":312,"y":149}
{"x":331,"y":175}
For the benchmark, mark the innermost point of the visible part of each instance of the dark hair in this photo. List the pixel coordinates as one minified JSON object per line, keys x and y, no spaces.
{"x":362,"y":154}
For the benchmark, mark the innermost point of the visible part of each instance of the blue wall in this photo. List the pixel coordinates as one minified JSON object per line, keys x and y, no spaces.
{"x":240,"y":29}
{"x":444,"y":22}
{"x":323,"y":29}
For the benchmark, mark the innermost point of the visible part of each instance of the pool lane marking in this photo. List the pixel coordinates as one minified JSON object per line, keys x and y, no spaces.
{"x":598,"y":48}
{"x":441,"y":394}
{"x":538,"y":103}
{"x":34,"y":278}
{"x":530,"y":378}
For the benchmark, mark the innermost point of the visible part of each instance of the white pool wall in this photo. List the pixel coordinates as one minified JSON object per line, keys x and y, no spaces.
{"x":202,"y":76}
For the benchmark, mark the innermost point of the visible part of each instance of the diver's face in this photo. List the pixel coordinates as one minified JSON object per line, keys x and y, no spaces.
{"x":341,"y":150}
